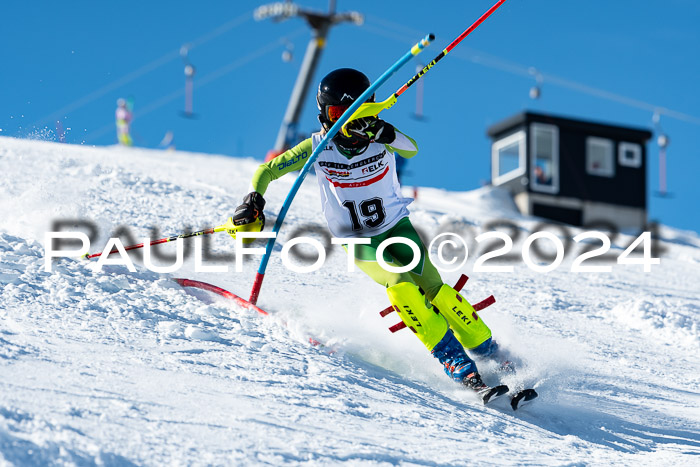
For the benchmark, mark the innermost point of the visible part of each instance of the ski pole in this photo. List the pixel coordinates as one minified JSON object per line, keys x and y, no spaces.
{"x":228,"y":226}
{"x":415,"y":50}
{"x":371,"y":109}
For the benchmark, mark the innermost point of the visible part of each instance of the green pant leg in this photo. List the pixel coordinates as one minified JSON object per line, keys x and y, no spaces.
{"x":366,"y":259}
{"x":380,"y":275}
{"x":430,"y":280}
{"x":425,"y":275}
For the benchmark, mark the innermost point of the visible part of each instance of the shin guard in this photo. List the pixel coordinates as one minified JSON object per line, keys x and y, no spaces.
{"x":417,"y":313}
{"x":468,"y":327}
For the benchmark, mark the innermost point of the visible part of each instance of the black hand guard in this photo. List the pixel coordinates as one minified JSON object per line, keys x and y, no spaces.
{"x":250,"y":210}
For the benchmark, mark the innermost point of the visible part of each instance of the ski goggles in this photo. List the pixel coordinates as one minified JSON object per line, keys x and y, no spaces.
{"x":334,"y":112}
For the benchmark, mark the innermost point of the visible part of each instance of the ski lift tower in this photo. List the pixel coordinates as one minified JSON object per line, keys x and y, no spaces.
{"x":320,"y":24}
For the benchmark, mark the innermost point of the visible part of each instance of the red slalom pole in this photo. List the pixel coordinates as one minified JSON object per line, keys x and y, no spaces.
{"x":447,"y":49}
{"x":219,"y":291}
{"x":240,"y":301}
{"x":370,"y":109}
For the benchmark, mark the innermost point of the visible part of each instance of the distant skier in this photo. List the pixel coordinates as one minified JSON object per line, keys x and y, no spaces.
{"x":123,"y":116}
{"x":361,"y":197}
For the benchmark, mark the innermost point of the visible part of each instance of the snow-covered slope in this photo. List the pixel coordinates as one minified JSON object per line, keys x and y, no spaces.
{"x":122,"y":368}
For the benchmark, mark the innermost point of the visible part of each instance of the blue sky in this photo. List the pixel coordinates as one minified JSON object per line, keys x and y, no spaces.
{"x":70,"y":61}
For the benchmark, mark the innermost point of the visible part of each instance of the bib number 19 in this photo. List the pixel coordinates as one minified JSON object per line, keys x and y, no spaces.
{"x":371,"y":210}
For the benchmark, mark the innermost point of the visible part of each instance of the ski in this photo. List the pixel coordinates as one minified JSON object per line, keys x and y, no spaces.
{"x":488,"y":393}
{"x":521,"y":397}
{"x":485,"y":392}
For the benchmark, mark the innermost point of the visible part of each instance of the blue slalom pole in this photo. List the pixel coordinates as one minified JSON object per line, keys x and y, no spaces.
{"x":415,"y":50}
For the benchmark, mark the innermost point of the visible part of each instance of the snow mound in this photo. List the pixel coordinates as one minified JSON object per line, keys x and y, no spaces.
{"x":488,"y":200}
{"x":670,"y":321}
{"x":77,"y":294}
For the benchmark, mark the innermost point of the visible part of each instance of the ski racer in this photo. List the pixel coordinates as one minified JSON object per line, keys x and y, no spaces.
{"x":361,"y":197}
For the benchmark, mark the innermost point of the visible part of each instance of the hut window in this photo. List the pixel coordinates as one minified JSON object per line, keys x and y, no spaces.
{"x":630,"y":155}
{"x":599,"y":157}
{"x":544,"y":161}
{"x":508,"y":158}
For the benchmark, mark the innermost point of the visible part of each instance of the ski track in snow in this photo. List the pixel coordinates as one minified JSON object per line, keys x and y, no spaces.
{"x":121,"y":368}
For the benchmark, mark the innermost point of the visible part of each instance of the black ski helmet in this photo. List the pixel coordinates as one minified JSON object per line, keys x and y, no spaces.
{"x":339,"y":88}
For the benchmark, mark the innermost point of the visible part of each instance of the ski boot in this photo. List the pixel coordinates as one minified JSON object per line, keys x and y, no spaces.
{"x":490,"y":350}
{"x":462,"y":369}
{"x":451,"y":354}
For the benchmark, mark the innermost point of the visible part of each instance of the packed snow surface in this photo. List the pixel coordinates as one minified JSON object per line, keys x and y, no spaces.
{"x":113,"y":367}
